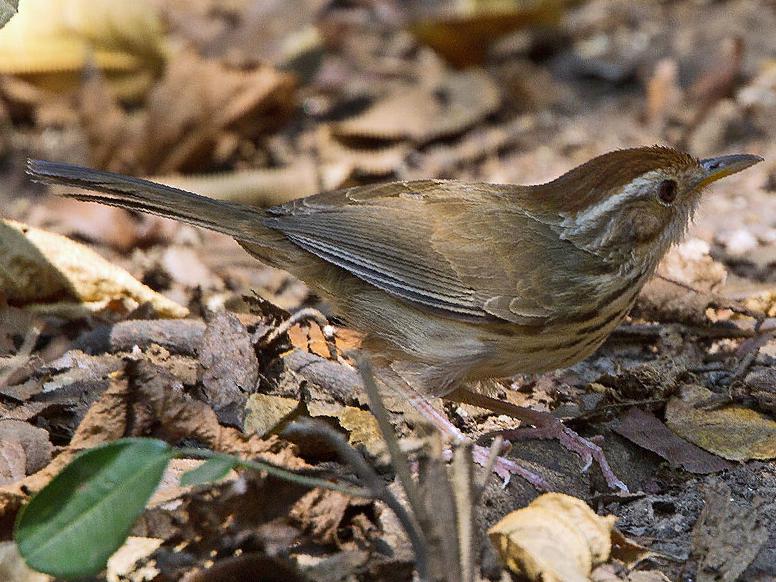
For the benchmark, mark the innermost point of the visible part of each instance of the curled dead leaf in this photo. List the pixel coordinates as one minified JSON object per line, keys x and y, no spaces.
{"x":556,"y":538}
{"x":734,"y":432}
{"x":47,"y":272}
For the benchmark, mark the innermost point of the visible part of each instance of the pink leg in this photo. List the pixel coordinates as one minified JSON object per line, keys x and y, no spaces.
{"x":503,"y":467}
{"x":547,"y":427}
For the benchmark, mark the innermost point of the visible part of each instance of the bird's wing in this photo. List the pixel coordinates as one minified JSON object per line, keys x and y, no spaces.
{"x":462,"y":248}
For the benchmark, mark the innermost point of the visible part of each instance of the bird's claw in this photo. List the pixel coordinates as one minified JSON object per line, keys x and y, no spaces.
{"x":505,"y":468}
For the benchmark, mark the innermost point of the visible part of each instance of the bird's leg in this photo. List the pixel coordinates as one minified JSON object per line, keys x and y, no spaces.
{"x":503,"y":467}
{"x":546,"y":426}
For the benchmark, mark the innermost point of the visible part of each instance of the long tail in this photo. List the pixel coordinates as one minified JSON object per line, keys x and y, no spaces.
{"x":244,"y":223}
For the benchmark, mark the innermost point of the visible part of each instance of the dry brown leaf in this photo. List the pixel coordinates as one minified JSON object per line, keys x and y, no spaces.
{"x":627,"y":551}
{"x":47,"y":272}
{"x":51,"y":41}
{"x":265,"y":412}
{"x":320,"y":513}
{"x":160,"y":405}
{"x":310,"y":338}
{"x":425,"y":112}
{"x":644,"y":429}
{"x":360,"y":425}
{"x":146,"y":401}
{"x":228,"y":367}
{"x":362,"y":428}
{"x":556,"y":538}
{"x":340,"y":160}
{"x":198,"y":100}
{"x":734,"y":432}
{"x":462,"y":31}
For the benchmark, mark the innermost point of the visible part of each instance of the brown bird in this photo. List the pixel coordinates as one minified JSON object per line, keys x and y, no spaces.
{"x":455,"y":283}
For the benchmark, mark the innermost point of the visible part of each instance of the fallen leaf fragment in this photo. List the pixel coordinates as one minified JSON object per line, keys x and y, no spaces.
{"x":265,"y":412}
{"x":47,"y":272}
{"x":647,"y":431}
{"x":121,"y":565}
{"x":362,"y":428}
{"x":310,"y":338}
{"x":426,"y":112}
{"x":199,"y":100}
{"x":734,"y":432}
{"x":462,"y":31}
{"x":627,"y":551}
{"x":727,"y":537}
{"x":320,"y":513}
{"x":556,"y":538}
{"x":360,"y":425}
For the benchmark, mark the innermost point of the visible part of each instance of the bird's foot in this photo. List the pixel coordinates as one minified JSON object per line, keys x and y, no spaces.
{"x":505,"y":468}
{"x":587,"y":450}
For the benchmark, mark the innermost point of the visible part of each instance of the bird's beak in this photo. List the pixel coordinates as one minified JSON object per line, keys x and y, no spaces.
{"x":716,"y":168}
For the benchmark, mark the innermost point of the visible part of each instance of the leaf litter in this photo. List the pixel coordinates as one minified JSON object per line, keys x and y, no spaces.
{"x":332,"y":99}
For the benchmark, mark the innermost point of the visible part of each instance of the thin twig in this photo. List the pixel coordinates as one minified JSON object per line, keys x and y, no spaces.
{"x":11,"y":365}
{"x":654,"y":330}
{"x":305,"y":427}
{"x":493,"y":454}
{"x":747,"y":353}
{"x":465,"y":498}
{"x":275,"y":471}
{"x":398,"y":458}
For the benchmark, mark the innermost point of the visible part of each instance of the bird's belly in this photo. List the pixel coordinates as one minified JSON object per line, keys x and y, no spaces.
{"x":556,"y":346}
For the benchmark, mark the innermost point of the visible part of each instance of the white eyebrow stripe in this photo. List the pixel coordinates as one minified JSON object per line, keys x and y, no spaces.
{"x":584,"y":220}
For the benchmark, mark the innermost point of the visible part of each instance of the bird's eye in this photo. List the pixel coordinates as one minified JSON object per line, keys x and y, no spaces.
{"x":667,"y":191}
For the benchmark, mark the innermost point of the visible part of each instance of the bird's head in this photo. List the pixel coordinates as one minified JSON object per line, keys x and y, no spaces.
{"x":634,"y":202}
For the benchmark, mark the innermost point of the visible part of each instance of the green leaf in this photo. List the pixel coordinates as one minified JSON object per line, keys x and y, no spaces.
{"x":211,"y":470}
{"x":74,"y":524}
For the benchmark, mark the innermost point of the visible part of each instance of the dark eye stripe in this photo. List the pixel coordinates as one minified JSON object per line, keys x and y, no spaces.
{"x":667,"y":191}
